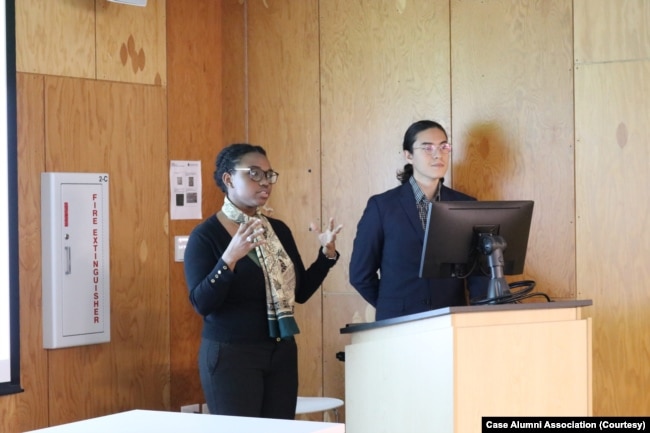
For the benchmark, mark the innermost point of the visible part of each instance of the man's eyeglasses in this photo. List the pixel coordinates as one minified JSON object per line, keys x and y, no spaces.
{"x":432,"y":148}
{"x":257,"y":174}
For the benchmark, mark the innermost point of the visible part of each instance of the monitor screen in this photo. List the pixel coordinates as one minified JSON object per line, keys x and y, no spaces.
{"x":9,"y":325}
{"x":451,"y":240}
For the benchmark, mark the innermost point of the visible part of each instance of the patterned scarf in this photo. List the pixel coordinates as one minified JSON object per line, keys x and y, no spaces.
{"x":279,"y":274}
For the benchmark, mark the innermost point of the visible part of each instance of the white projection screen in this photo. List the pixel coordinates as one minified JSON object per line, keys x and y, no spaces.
{"x":9,"y":331}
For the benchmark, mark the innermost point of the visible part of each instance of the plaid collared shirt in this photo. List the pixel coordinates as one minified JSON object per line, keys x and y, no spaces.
{"x":421,"y":202}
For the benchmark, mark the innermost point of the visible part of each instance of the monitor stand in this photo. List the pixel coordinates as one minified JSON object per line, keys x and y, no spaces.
{"x":493,"y":246}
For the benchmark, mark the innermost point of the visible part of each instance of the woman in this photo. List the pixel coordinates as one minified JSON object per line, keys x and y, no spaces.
{"x":244,"y":272}
{"x":390,"y":233}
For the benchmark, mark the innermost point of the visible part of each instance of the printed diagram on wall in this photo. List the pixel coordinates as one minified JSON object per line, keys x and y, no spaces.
{"x":185,"y":189}
{"x":75,"y":254}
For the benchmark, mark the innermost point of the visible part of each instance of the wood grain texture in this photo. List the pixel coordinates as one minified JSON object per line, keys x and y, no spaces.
{"x":383,"y":65}
{"x":131,"y":43}
{"x":233,"y":51}
{"x":56,"y":37}
{"x":340,"y":309}
{"x":283,"y":100}
{"x":613,"y":242}
{"x":195,"y":111}
{"x":382,"y":68}
{"x":93,"y":126}
{"x":28,"y":410}
{"x":512,"y":122}
{"x":607,"y":31}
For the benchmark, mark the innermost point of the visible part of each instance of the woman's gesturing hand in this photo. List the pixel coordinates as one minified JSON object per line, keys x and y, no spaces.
{"x":245,"y":239}
{"x":327,"y":237}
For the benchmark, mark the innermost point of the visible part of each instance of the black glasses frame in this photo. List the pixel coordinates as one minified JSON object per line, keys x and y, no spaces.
{"x":257,"y":174}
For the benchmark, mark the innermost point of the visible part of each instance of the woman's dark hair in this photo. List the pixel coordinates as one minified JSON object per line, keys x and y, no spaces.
{"x":410,"y":136}
{"x":228,"y":159}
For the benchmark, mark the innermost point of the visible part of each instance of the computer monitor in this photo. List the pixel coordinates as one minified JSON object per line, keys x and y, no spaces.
{"x":462,"y":237}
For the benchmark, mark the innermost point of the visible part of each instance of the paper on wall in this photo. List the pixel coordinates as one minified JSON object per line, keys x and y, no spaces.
{"x":185,"y":190}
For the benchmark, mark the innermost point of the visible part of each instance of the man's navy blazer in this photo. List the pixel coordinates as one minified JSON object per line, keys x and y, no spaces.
{"x":389,"y":239}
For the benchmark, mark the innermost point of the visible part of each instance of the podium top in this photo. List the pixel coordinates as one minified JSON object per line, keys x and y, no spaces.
{"x":355,"y":327}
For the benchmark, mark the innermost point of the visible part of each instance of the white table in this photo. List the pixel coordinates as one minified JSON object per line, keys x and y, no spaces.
{"x":318,"y":404}
{"x":140,"y":421}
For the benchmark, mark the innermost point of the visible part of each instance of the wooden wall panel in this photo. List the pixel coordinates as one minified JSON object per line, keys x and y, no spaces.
{"x":613,"y":241}
{"x":607,"y":30}
{"x":234,"y":97}
{"x":340,"y":309}
{"x":195,"y":133}
{"x":92,"y":126}
{"x":29,"y":409}
{"x":384,"y":65}
{"x":56,"y":37}
{"x":612,"y":55}
{"x":131,"y":43}
{"x":284,"y":118}
{"x":512,"y":122}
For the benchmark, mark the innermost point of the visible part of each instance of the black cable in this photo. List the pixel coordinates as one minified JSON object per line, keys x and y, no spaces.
{"x":515,"y":296}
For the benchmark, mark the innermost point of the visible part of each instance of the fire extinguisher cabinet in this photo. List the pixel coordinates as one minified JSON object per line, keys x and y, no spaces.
{"x":75,"y":257}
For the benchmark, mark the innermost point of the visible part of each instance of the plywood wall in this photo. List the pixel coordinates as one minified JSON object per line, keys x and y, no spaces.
{"x":284,"y":118}
{"x":194,"y":122}
{"x":612,"y":67}
{"x":512,"y":87}
{"x":69,"y":120}
{"x":383,"y":65}
{"x":92,"y":39}
{"x":61,"y":37}
{"x":93,"y":126}
{"x":29,"y":410}
{"x":131,"y":43}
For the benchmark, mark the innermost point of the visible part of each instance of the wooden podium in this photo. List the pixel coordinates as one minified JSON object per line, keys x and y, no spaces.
{"x":442,"y":370}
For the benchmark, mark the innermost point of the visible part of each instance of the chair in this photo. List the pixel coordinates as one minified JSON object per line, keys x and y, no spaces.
{"x":318,"y":404}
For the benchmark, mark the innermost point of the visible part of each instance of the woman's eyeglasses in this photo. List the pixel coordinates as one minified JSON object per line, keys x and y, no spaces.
{"x":257,"y":174}
{"x":431,"y":148}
